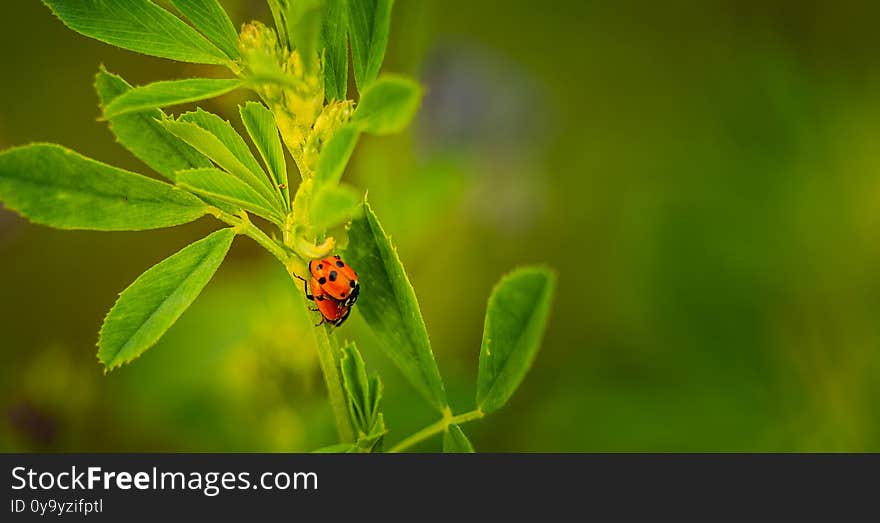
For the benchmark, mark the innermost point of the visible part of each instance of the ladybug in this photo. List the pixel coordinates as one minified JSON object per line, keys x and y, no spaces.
{"x":336,"y":278}
{"x":332,"y":311}
{"x":334,"y":289}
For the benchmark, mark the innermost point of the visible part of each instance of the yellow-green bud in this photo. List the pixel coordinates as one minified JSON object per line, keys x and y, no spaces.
{"x":255,"y":37}
{"x":262,"y":58}
{"x":306,"y":100}
{"x":334,"y":116}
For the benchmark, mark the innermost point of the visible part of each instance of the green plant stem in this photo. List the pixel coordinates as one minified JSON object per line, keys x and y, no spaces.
{"x":328,"y":355}
{"x":244,"y":226}
{"x":436,"y":428}
{"x":300,"y":162}
{"x":328,"y":351}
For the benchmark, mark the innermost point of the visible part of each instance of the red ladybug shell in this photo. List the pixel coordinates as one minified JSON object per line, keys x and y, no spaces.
{"x":333,"y":311}
{"x":336,"y":278}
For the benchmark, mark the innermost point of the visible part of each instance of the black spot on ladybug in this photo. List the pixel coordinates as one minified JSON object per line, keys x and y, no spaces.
{"x":322,"y":280}
{"x":320,"y":266}
{"x":343,"y":295}
{"x":352,"y":283}
{"x":319,"y":298}
{"x":332,"y":275}
{"x":340,"y":264}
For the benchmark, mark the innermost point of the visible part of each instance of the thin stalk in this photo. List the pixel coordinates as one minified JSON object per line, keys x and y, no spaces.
{"x":244,"y":226}
{"x":328,"y":354}
{"x":328,"y":350}
{"x":299,"y":160}
{"x":437,"y":427}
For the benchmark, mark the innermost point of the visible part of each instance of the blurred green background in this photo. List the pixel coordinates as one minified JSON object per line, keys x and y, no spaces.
{"x":702,"y":175}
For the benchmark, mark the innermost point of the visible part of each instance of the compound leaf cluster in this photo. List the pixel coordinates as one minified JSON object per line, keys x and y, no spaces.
{"x":212,"y":170}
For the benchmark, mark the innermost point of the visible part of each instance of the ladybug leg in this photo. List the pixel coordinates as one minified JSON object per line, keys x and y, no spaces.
{"x":305,"y":287}
{"x":340,"y":321}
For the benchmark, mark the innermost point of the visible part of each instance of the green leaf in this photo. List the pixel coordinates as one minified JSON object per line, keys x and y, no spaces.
{"x":373,"y":440}
{"x":279,"y":10}
{"x":220,"y":185}
{"x":214,"y":138}
{"x":169,"y":92}
{"x":339,"y":448}
{"x":211,"y":19}
{"x":515,"y":321}
{"x":334,"y":41}
{"x":304,"y":27}
{"x":145,"y":137}
{"x":389,"y":306}
{"x":52,"y":185}
{"x":363,"y":394}
{"x":333,"y":205}
{"x":368,"y":25}
{"x":151,"y":305}
{"x":335,"y":155}
{"x":137,"y":25}
{"x":233,"y":141}
{"x":454,"y":440}
{"x":260,"y":124}
{"x":388,"y":105}
{"x":357,"y":387}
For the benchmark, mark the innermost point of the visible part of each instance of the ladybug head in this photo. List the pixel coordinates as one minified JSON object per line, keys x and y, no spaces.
{"x":353,"y":295}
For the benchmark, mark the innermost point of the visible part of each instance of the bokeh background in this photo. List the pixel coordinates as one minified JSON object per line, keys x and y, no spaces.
{"x":704,"y":176}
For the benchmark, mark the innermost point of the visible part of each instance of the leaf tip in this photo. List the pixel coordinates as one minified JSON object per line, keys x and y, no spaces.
{"x":107,"y":365}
